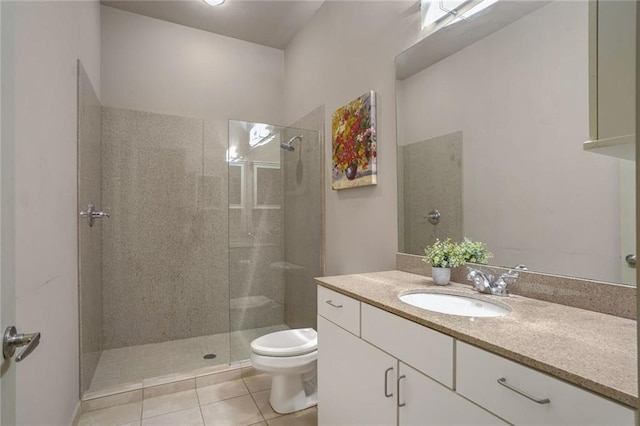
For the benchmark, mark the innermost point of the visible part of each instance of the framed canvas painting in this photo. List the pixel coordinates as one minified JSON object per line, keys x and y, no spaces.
{"x":353,"y":129}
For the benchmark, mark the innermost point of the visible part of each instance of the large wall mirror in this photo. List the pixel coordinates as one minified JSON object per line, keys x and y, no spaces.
{"x":492,"y":137}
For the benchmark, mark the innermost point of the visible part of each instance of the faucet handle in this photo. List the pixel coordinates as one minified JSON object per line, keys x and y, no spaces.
{"x":481,"y":282}
{"x":501,"y":286}
{"x":511,"y":275}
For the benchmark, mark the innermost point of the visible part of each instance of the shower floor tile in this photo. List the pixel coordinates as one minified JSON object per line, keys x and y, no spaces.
{"x":138,"y":363}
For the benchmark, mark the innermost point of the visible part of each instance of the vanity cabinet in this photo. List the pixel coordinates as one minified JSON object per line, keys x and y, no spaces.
{"x":523,"y":396}
{"x":359,"y":383}
{"x":422,"y":401}
{"x":376,"y":368}
{"x":339,"y":309}
{"x":351,"y":379}
{"x":426,"y":350}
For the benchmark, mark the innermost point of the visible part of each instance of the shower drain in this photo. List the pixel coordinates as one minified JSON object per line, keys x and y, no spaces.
{"x":210,"y":356}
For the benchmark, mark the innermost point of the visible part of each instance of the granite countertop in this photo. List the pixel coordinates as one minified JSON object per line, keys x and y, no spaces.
{"x":592,"y":350}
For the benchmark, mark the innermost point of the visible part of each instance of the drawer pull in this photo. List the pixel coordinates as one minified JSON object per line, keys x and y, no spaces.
{"x":502,"y":381}
{"x":386,"y":382}
{"x":400,"y":404}
{"x":329,"y":302}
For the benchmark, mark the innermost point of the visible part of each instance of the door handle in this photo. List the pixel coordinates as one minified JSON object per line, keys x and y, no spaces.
{"x":386,"y":382}
{"x":631,"y":260}
{"x":400,"y":404}
{"x":12,"y":340}
{"x":503,"y":381}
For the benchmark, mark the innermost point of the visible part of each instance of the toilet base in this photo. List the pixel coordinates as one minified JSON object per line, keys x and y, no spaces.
{"x":288,"y":393}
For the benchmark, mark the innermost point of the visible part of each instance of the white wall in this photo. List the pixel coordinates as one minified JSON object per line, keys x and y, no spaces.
{"x":347,"y":49}
{"x":48,"y":39}
{"x":520,"y":97}
{"x":157,"y":66}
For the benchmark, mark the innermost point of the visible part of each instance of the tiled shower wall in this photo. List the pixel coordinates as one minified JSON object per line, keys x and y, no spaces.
{"x":165,"y":248}
{"x":89,"y":238}
{"x":433,"y":168}
{"x":303,"y":218}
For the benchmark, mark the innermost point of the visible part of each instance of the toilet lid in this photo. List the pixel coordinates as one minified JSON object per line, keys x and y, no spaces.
{"x":286,"y":343}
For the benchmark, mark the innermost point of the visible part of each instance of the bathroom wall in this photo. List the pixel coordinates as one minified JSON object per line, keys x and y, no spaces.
{"x":89,"y":237}
{"x":45,"y":40}
{"x":532,"y":161}
{"x":157,"y":66}
{"x":344,"y":51}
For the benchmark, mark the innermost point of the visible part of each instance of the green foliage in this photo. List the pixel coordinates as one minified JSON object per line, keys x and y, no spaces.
{"x":474,"y":252}
{"x":446,"y":254}
{"x":443,"y":254}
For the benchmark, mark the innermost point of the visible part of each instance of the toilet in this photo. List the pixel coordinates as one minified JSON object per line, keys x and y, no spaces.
{"x":290,"y":357}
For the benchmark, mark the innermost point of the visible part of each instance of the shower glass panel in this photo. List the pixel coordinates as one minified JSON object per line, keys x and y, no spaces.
{"x":275,"y":230}
{"x":89,"y":237}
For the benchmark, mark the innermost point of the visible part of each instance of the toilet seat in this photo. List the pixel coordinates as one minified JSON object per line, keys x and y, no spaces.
{"x":286,"y":343}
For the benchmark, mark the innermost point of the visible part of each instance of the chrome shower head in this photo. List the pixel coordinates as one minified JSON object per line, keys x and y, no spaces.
{"x":287,"y":145}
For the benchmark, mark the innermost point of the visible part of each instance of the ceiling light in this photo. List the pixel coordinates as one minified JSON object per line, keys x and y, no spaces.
{"x":213,"y":2}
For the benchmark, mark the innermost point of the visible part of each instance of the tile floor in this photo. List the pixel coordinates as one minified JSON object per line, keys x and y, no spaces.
{"x":240,"y":402}
{"x":124,"y":366}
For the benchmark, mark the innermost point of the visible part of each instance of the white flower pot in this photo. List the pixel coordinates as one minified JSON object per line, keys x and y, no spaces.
{"x":441,"y":276}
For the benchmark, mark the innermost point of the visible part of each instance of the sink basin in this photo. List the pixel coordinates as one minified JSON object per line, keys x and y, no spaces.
{"x":454,"y":304}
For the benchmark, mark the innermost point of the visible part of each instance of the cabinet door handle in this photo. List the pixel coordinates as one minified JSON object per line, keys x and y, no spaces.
{"x":503,"y":382}
{"x":386,"y":382}
{"x":329,"y":302}
{"x":400,"y":404}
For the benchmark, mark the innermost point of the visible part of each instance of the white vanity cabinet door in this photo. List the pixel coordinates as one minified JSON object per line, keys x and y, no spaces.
{"x":428,"y":403}
{"x":351,"y":380}
{"x":427,"y":350}
{"x":477,"y":377}
{"x":339,"y":309}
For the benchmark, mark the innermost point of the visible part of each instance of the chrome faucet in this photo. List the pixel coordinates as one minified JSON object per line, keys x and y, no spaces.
{"x":485,"y":284}
{"x":481,"y":282}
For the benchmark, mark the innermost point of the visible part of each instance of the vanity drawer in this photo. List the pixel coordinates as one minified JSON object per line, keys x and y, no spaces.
{"x":340,"y":309}
{"x":426,"y":350}
{"x":478,"y":372}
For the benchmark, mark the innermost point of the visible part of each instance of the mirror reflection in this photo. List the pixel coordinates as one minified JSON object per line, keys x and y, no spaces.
{"x":492,"y":138}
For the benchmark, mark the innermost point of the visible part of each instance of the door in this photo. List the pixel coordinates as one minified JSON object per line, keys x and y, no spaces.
{"x":7,"y":290}
{"x":628,"y":222}
{"x":423,"y":401}
{"x":356,"y":381}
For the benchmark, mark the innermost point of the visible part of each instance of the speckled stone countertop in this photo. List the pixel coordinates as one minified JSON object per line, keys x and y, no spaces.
{"x":592,"y":350}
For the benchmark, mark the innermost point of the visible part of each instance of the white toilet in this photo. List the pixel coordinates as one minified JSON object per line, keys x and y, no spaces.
{"x":290,"y":357}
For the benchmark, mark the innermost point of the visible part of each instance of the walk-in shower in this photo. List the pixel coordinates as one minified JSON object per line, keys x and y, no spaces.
{"x":211,"y":241}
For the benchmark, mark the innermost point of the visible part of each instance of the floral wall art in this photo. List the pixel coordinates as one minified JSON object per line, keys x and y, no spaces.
{"x":354,"y":143}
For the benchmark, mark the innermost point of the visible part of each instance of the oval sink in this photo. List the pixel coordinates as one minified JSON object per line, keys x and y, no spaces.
{"x":454,"y":304}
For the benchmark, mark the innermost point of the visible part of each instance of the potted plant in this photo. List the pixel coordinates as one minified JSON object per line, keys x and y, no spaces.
{"x":442,"y":256}
{"x":474,"y":251}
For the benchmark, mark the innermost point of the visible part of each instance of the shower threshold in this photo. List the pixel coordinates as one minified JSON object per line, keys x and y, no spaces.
{"x":142,"y":366}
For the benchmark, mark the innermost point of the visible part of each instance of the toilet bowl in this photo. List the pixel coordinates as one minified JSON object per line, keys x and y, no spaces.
{"x":290,"y":357}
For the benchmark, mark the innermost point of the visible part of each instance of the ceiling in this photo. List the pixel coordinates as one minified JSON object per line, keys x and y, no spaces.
{"x":271,"y":23}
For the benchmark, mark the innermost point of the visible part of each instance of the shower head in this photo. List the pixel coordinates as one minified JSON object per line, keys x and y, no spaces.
{"x":287,"y":145}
